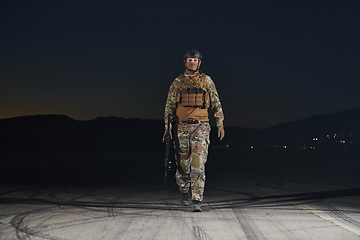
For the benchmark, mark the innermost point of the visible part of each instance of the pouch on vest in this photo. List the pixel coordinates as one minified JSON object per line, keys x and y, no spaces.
{"x":185,"y":96}
{"x":199,"y":97}
{"x":192,"y":97}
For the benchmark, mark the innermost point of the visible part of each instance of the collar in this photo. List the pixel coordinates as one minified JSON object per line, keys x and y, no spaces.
{"x":197,"y":75}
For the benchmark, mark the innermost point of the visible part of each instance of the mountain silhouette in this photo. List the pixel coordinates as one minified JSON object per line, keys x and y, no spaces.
{"x":129,"y":149}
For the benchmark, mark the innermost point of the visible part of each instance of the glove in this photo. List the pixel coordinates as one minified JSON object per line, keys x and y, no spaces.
{"x":221,"y":133}
{"x":163,"y":139}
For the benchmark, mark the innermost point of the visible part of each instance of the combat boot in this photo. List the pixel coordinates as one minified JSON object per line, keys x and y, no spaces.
{"x":185,"y":199}
{"x":196,"y":206}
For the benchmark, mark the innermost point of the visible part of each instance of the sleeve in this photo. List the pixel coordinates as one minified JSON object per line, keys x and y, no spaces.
{"x":170,"y":106}
{"x":215,"y":106}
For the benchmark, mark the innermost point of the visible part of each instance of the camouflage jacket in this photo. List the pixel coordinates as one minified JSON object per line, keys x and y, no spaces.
{"x":215,"y":104}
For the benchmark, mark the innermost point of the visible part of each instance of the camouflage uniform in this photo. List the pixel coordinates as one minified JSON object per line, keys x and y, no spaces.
{"x":192,"y":140}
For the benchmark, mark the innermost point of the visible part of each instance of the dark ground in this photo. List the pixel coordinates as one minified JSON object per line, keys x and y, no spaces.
{"x":68,"y":166}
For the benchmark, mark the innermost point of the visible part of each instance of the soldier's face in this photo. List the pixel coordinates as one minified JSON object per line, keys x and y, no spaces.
{"x":192,"y":63}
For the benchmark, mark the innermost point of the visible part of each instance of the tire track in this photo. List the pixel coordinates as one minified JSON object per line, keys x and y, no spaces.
{"x":243,"y":209}
{"x":250,"y":230}
{"x":23,"y":232}
{"x":199,"y":233}
{"x":237,"y":205}
{"x":176,"y":215}
{"x":114,"y":211}
{"x":338,"y":214}
{"x":329,"y":213}
{"x":36,"y":218}
{"x":316,"y":205}
{"x":135,"y":210}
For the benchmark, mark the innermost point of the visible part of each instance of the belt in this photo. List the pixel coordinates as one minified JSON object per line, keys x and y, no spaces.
{"x":193,"y":121}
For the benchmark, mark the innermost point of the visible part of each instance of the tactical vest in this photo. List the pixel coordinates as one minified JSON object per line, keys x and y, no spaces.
{"x":193,"y":92}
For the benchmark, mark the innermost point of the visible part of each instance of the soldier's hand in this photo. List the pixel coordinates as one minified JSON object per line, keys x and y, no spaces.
{"x":221,"y":133}
{"x":163,"y":139}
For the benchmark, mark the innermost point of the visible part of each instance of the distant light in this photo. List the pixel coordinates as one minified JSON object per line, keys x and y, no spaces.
{"x":284,"y":146}
{"x":252,"y":147}
{"x":315,"y":139}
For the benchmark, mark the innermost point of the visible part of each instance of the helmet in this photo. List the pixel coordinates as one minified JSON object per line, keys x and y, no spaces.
{"x":192,"y":53}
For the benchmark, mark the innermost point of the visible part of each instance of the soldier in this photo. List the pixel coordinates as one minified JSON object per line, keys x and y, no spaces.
{"x":190,"y":95}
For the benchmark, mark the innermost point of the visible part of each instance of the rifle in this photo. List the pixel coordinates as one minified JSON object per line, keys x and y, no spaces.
{"x":167,"y":150}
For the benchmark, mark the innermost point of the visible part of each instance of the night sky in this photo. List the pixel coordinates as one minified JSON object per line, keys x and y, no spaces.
{"x":272,"y":61}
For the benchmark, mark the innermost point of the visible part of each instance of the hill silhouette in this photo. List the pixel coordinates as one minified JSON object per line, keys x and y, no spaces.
{"x":57,"y":147}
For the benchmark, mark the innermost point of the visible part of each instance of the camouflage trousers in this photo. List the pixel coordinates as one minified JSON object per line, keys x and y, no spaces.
{"x":191,"y":155}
